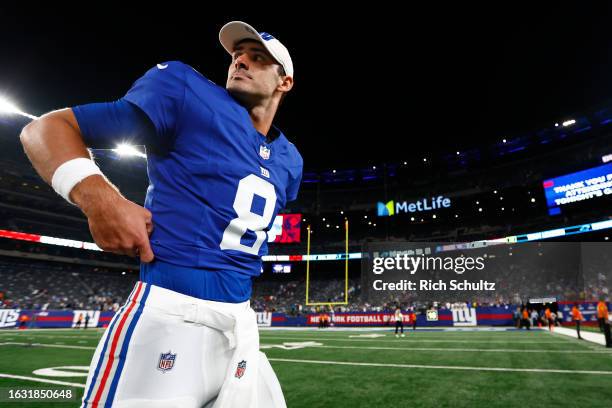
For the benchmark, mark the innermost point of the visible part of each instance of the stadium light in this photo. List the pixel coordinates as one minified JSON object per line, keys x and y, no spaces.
{"x":9,"y":107}
{"x":568,"y":122}
{"x":127,"y":150}
{"x":504,"y":141}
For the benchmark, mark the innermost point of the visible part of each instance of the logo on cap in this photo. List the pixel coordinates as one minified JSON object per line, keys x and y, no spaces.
{"x":266,"y":36}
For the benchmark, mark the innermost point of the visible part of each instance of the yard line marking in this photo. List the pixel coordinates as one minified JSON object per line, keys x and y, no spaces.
{"x":47,"y":345}
{"x":59,"y":335}
{"x":416,"y":340}
{"x":468,"y":350}
{"x":267,"y":346}
{"x":43,"y":380}
{"x":438,"y":367}
{"x":415,"y":333}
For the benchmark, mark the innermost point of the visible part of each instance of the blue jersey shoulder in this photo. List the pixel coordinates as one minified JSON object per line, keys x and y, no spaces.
{"x":160,"y":93}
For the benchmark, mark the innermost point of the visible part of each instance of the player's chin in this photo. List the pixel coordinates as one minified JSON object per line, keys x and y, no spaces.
{"x":242,"y":92}
{"x":238,"y":86}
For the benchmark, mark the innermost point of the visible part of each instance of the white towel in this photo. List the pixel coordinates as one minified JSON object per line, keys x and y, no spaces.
{"x":239,"y":387}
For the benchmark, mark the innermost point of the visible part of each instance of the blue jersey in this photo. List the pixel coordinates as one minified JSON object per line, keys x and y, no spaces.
{"x":215,"y":183}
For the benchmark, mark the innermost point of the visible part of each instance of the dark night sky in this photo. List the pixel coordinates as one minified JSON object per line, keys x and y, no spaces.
{"x":366,"y":80}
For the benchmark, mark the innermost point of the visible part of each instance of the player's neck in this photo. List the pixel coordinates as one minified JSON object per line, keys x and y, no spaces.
{"x":262,"y":117}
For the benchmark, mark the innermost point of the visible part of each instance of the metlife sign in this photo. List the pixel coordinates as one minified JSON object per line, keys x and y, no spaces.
{"x":424,"y":204}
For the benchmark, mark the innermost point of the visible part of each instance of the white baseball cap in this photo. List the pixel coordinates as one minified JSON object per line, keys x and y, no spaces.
{"x":236,"y":31}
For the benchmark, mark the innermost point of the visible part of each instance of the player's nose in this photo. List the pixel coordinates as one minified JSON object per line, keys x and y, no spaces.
{"x":242,"y":62}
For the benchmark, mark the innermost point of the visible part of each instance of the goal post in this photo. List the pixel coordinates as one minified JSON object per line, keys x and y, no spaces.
{"x":346,"y":259}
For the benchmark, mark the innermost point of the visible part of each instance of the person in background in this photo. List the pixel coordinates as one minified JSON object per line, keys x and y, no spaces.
{"x":525,"y":320}
{"x":517,"y":318}
{"x":602,"y":314}
{"x":577,"y":318}
{"x":399,"y":321}
{"x":548,"y":316}
{"x":413,"y":319}
{"x":23,"y":321}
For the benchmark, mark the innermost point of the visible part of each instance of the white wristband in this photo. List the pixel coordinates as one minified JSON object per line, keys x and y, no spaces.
{"x":70,"y":173}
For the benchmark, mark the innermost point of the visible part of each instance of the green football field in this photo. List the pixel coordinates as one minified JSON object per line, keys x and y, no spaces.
{"x":373,"y":368}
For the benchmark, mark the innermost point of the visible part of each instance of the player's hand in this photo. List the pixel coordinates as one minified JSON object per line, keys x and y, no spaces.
{"x":116,"y":224}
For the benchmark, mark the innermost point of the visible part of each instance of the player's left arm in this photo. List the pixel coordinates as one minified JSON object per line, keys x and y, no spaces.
{"x":295,"y":175}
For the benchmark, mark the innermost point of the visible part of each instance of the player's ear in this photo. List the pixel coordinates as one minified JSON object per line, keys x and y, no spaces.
{"x":285,"y":83}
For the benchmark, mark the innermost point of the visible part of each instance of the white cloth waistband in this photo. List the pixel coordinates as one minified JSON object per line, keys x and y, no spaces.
{"x":217,"y":315}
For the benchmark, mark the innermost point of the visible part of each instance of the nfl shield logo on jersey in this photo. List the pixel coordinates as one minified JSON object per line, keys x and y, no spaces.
{"x":240,"y":369}
{"x":166,"y":361}
{"x":264,"y":152}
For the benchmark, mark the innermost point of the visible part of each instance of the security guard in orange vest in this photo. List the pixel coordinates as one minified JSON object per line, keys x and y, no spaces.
{"x":525,"y":320}
{"x":577,"y":318}
{"x":602,"y":314}
{"x":549,"y":320}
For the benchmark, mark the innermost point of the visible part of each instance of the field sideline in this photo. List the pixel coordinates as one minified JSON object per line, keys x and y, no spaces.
{"x":367,"y":368}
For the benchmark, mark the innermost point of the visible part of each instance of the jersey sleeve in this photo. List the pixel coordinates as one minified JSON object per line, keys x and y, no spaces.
{"x":105,"y":125}
{"x":160,"y":94}
{"x":295,"y":175}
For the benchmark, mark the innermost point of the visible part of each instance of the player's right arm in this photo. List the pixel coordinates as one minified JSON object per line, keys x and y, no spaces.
{"x":116,"y":224}
{"x":147,"y":114}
